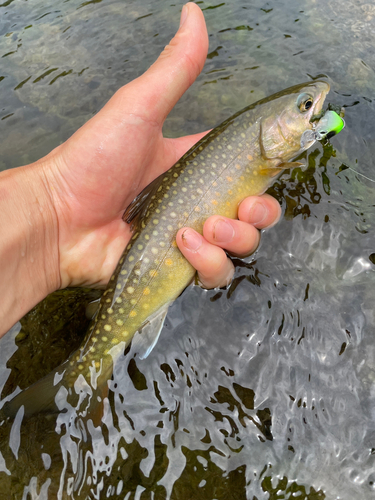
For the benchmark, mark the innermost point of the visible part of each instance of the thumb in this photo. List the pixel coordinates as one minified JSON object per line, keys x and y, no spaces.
{"x":153,"y":94}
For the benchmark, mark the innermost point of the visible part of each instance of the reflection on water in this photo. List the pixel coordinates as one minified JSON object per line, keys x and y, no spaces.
{"x":261,"y":391}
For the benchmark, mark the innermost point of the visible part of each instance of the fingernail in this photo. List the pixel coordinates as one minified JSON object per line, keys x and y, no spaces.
{"x":184,"y":14}
{"x":258,"y":213}
{"x":223,"y":231}
{"x":192,"y":240}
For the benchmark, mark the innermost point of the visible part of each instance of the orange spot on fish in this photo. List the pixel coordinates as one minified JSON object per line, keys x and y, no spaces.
{"x":146,"y":291}
{"x":214,"y":202}
{"x":229,"y":179}
{"x":249,"y":157}
{"x":169,"y":262}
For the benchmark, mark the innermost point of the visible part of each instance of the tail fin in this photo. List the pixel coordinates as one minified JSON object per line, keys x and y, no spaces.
{"x":38,"y":398}
{"x":52,"y":395}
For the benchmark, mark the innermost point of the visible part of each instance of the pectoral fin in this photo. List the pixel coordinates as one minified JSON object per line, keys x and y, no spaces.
{"x":272,"y":172}
{"x":291,"y":164}
{"x":145,"y":340}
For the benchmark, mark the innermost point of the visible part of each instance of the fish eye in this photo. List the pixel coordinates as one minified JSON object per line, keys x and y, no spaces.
{"x":304,"y":102}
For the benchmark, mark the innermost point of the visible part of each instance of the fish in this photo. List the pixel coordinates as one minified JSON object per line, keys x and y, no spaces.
{"x":242,"y":156}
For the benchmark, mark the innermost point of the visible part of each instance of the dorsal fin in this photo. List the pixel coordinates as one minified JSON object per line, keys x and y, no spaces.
{"x":137,"y":209}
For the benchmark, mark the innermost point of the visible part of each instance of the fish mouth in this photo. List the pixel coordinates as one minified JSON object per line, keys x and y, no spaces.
{"x":309,"y":136}
{"x":315,"y":114}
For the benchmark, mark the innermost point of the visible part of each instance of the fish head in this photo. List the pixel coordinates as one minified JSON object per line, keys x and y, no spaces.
{"x":289,"y":126}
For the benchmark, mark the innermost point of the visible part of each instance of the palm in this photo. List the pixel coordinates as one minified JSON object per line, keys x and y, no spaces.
{"x":100,"y":170}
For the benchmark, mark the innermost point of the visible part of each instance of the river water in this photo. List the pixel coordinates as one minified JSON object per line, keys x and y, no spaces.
{"x":263,"y":391}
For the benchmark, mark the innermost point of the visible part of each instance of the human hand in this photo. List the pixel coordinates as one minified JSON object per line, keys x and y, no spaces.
{"x":94,"y":175}
{"x":63,"y":214}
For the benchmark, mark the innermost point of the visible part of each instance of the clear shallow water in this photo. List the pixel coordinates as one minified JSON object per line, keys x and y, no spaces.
{"x":273,"y":378}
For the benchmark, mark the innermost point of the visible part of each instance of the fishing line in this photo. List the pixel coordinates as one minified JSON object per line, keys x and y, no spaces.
{"x":359,"y":173}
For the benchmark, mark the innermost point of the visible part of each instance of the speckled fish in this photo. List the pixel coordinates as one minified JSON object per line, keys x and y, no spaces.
{"x":240,"y":157}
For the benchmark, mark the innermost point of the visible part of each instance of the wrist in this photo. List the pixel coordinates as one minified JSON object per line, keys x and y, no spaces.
{"x":29,"y":242}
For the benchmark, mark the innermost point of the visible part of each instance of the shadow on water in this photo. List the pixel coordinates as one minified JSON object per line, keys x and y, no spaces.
{"x":259,"y":392}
